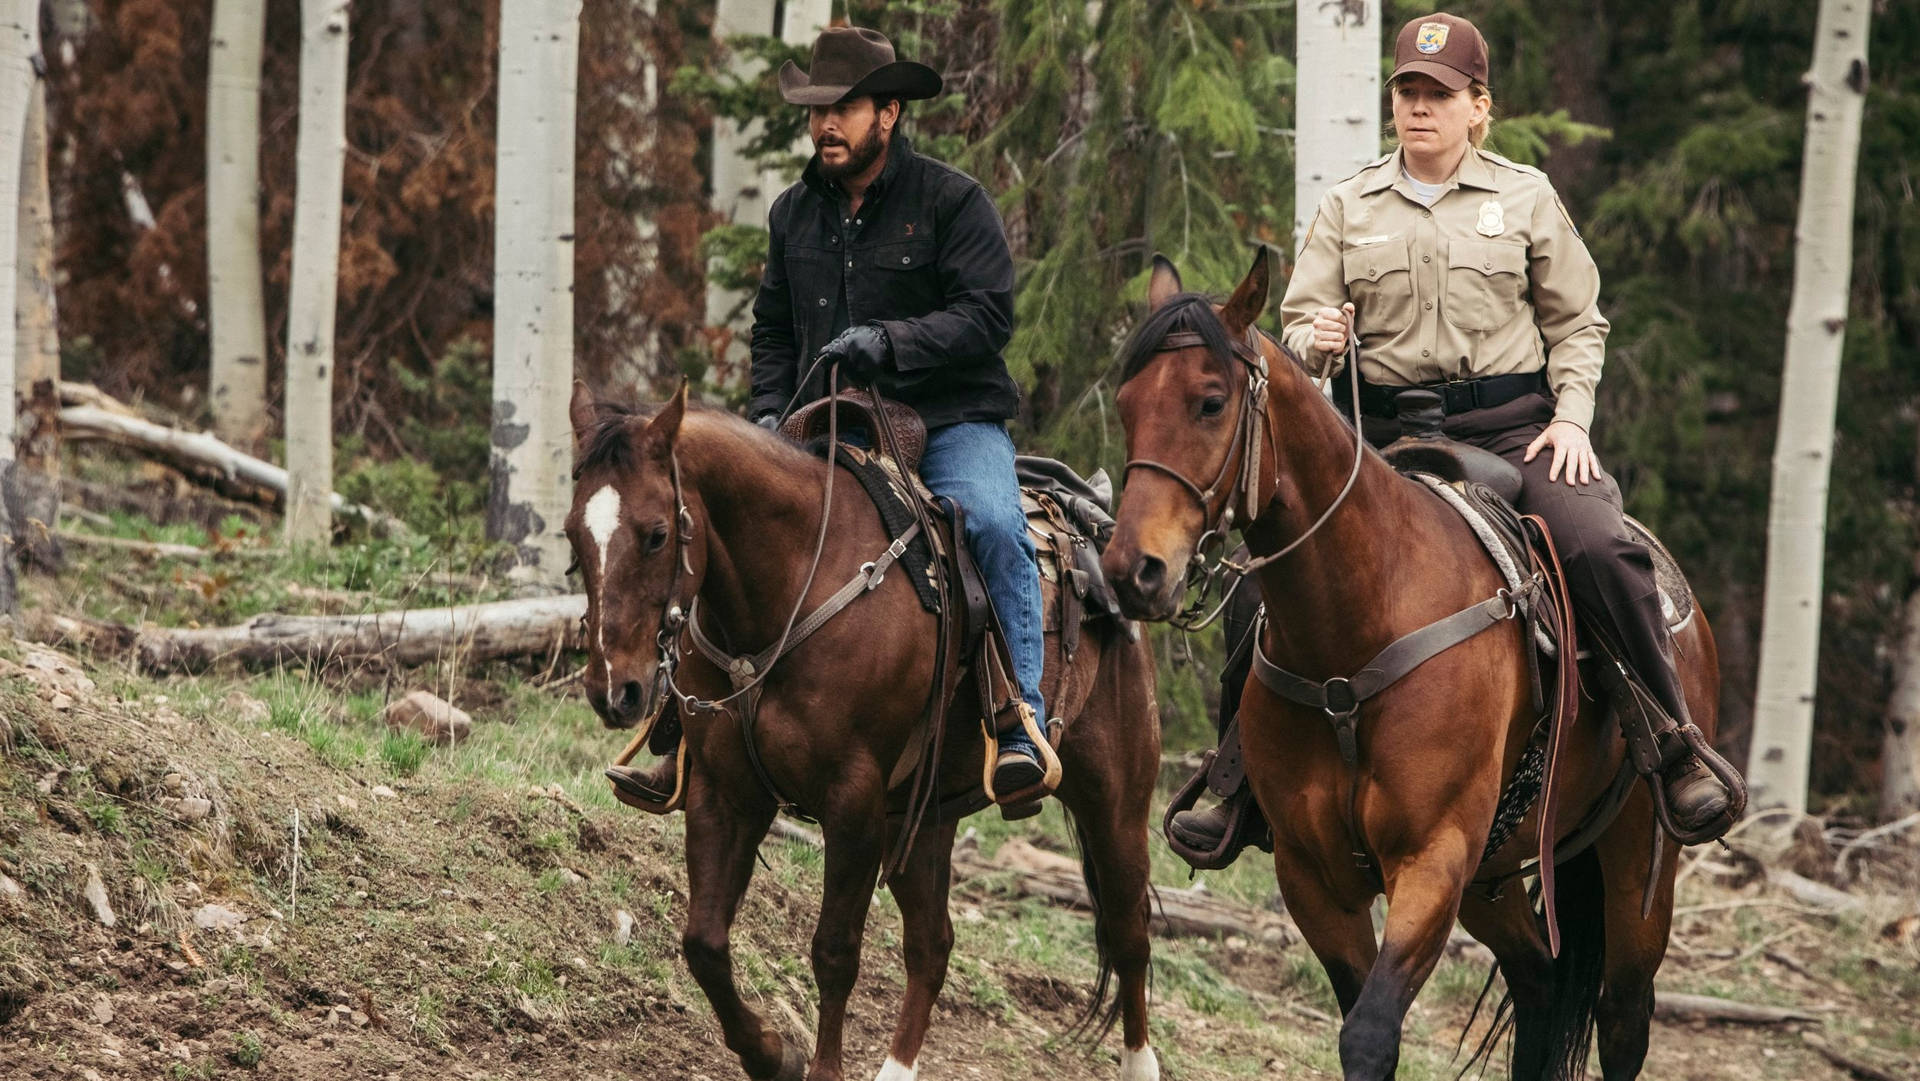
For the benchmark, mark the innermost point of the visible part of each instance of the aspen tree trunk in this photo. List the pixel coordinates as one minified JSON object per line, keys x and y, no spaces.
{"x":1336,"y":123}
{"x":19,"y":42}
{"x":37,"y":364}
{"x":738,"y":186}
{"x":1900,"y":751}
{"x":321,"y":154}
{"x":1777,"y":764}
{"x":533,"y":287}
{"x":800,"y":22}
{"x":239,"y":372}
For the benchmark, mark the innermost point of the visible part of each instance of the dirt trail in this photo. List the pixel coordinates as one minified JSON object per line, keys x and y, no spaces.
{"x":448,"y":925}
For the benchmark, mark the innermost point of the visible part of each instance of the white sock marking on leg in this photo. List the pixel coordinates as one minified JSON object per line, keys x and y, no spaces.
{"x":602,"y":517}
{"x":893,"y":1071}
{"x":1141,"y":1065}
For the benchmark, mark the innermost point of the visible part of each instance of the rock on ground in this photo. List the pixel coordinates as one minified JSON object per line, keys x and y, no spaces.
{"x":434,"y":718}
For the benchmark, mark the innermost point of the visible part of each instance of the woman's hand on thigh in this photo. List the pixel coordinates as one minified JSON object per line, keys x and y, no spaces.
{"x":1572,"y":452}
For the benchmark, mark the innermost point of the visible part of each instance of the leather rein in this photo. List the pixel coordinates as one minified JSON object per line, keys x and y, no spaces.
{"x":748,"y":672}
{"x":1251,"y":433}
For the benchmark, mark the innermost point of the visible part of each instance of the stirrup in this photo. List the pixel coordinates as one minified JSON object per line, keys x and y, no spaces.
{"x":1049,"y":765}
{"x":1722,"y":771}
{"x":1241,"y":831}
{"x":629,"y":793}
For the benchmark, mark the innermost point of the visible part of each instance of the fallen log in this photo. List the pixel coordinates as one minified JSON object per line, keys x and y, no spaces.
{"x":157,"y":549}
{"x":1858,"y":1067}
{"x":1038,"y":873}
{"x":475,"y":632}
{"x":89,"y":395}
{"x":1674,"y":1006}
{"x":202,"y":452}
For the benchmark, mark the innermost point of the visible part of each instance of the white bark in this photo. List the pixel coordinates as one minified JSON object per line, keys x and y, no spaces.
{"x":532,"y":485}
{"x":1777,"y":765}
{"x":1336,"y":120}
{"x":469,"y":633}
{"x":1900,"y":751}
{"x":739,"y":189}
{"x":800,"y":22}
{"x":19,"y":41}
{"x":39,"y":342}
{"x":202,"y":452}
{"x":321,"y":159}
{"x":238,"y":390}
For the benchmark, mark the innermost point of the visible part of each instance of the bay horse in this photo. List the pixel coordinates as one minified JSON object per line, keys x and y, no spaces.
{"x":684,"y":514}
{"x":1433,"y":749}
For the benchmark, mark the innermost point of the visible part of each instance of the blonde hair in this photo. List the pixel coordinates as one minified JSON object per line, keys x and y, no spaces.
{"x":1477,"y":135}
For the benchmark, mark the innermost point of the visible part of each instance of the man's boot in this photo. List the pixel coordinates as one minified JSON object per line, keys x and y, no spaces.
{"x":1208,"y":830}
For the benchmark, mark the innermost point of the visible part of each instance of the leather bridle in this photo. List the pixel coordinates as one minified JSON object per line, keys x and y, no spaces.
{"x":1251,"y":432}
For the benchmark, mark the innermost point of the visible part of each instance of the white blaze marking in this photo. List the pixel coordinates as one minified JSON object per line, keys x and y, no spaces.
{"x":1141,"y":1065}
{"x":893,"y":1071}
{"x":602,"y":517}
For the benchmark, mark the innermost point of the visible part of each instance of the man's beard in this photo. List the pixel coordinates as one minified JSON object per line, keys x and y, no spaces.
{"x":859,"y":157}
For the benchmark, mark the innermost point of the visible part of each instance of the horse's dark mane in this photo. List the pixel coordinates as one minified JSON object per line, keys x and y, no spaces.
{"x":612,"y":439}
{"x":1182,"y":312}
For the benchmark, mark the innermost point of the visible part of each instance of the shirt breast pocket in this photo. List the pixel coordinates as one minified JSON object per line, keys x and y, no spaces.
{"x":1381,"y":285}
{"x":1486,"y":283}
{"x":904,"y":278}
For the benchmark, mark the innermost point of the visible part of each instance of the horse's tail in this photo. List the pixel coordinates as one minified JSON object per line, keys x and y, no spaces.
{"x":1565,"y":1032}
{"x":1103,"y":1005}
{"x":1580,"y":898}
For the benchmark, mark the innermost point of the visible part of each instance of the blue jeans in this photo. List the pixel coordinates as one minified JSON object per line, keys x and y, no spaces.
{"x":972,"y":464}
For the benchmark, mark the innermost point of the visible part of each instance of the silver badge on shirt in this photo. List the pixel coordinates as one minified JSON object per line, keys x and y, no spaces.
{"x":1493,"y":218}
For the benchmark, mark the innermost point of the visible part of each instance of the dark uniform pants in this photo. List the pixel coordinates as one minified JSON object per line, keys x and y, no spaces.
{"x":1610,"y":573}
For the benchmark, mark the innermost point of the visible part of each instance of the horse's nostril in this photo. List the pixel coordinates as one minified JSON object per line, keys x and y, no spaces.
{"x":1150,"y":576}
{"x":627,"y":700}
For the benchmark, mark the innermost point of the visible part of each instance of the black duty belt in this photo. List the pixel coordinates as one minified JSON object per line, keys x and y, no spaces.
{"x":1457,"y":396}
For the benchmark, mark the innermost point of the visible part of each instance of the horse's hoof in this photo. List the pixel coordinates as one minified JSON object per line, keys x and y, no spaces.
{"x":793,"y":1063}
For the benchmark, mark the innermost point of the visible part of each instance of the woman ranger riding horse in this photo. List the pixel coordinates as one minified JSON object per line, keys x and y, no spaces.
{"x":895,"y":266}
{"x":1462,"y":273}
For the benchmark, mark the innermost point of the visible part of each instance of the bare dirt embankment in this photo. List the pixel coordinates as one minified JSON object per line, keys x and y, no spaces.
{"x":455,"y":912}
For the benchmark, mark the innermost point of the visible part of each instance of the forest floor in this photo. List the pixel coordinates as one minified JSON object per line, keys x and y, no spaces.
{"x":297,"y":892}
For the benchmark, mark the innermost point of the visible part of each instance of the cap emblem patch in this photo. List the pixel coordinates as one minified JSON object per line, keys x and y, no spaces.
{"x":1432,"y":38}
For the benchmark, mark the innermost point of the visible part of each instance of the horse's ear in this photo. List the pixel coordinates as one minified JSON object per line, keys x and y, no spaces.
{"x":582,"y":410}
{"x":1250,"y":299}
{"x":664,"y":428}
{"x":1164,"y":285}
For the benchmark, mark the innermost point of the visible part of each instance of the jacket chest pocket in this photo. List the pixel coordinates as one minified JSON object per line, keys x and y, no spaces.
{"x":1486,"y":283}
{"x":903,"y":282}
{"x":1381,"y":286}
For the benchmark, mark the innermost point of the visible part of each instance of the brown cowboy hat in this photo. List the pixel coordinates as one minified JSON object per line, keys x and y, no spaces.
{"x":849,"y":61}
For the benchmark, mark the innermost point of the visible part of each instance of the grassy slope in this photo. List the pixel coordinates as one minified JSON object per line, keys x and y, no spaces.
{"x":468,"y":919}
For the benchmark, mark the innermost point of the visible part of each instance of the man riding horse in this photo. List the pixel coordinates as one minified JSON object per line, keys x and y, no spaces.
{"x":894,"y":268}
{"x":1470,"y":279}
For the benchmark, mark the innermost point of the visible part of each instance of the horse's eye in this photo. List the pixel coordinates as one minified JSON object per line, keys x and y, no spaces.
{"x":657,"y":539}
{"x":1214,"y":406}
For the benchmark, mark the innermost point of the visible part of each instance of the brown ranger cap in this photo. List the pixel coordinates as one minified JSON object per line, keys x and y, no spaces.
{"x":1444,"y":46}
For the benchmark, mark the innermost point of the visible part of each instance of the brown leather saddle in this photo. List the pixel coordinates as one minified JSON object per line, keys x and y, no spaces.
{"x":1063,"y":517}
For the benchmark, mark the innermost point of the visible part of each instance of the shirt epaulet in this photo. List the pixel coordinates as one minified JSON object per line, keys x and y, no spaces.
{"x":1524,"y":170}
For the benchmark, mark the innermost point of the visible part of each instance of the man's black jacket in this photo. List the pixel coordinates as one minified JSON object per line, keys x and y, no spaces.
{"x":927,"y":259}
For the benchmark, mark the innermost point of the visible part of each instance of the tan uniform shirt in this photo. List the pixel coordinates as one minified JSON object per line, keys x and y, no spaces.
{"x":1491,"y":280}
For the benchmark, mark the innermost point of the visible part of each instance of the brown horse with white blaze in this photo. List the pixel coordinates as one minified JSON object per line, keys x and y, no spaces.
{"x":1374,"y":556}
{"x":688,"y":515}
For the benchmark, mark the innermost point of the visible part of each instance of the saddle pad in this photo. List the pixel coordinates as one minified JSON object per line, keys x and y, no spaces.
{"x":1676,"y":595}
{"x":889,"y":495}
{"x":1486,"y":514}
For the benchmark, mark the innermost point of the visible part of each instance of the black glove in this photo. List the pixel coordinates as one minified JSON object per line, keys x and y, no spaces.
{"x":863,"y":352}
{"x":769,"y":421}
